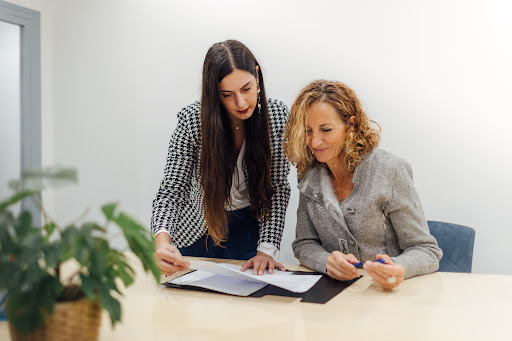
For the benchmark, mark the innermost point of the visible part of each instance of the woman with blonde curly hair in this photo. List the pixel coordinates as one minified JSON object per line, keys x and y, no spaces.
{"x":358,"y":206}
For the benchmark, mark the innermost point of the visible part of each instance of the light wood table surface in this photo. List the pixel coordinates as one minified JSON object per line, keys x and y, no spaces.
{"x":439,"y":306}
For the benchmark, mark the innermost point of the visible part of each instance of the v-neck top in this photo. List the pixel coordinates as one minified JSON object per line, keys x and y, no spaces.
{"x":239,"y":193}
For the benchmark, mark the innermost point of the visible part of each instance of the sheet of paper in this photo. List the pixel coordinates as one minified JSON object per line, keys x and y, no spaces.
{"x":229,"y":285}
{"x":218,"y":269}
{"x":285,"y":280}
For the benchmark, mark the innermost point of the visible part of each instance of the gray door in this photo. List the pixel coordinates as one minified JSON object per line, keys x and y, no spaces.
{"x":20,"y":96}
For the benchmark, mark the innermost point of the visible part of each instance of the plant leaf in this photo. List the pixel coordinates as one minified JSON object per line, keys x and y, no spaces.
{"x":110,"y":304}
{"x":38,"y":179}
{"x":140,"y":243}
{"x":52,"y":253}
{"x":54,"y":286}
{"x":10,"y":275}
{"x":49,"y":289}
{"x":29,"y":249}
{"x":7,"y":233}
{"x":109,"y":210}
{"x":22,"y":313}
{"x":23,"y":225}
{"x":33,"y":274}
{"x":24,"y":307}
{"x":88,"y":287}
{"x":99,"y":258}
{"x":125,"y":272}
{"x":49,"y":228}
{"x":15,"y":198}
{"x":91,"y":228}
{"x":70,"y":240}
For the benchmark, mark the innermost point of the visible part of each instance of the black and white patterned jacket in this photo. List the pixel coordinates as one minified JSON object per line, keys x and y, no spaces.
{"x":178,"y":206}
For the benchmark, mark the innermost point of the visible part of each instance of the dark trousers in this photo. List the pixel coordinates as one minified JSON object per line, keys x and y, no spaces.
{"x":242,"y":241}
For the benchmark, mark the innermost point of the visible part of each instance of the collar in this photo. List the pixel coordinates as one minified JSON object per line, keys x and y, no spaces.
{"x":316,"y":183}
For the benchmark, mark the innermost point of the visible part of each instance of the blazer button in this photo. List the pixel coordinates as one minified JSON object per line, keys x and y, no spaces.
{"x":350,"y":210}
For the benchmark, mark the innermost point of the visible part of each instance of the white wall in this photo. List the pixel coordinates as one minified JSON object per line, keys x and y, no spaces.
{"x":435,"y":75}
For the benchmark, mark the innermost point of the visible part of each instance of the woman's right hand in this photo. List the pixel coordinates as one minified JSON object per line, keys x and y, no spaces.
{"x":168,"y":257}
{"x":339,"y":266}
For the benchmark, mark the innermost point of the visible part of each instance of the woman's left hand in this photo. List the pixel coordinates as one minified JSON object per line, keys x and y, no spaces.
{"x":381,"y":272}
{"x":260,"y":262}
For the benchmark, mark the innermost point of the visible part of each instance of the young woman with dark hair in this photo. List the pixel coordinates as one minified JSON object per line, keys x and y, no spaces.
{"x":225,"y":188}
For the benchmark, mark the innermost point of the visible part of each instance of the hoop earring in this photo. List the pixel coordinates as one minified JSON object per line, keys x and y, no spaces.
{"x":259,"y":104}
{"x":312,"y":156}
{"x":351,"y":134}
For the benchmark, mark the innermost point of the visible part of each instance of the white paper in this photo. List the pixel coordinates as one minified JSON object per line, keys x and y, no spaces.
{"x":229,"y":285}
{"x":281,"y":279}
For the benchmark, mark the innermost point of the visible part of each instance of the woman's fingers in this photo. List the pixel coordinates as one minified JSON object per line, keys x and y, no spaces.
{"x":388,"y":275}
{"x":259,"y":266}
{"x":384,"y":270}
{"x":177,"y":258}
{"x":351,"y":258}
{"x":340,"y":273}
{"x":383,"y":281}
{"x":170,"y":260}
{"x":386,"y":258}
{"x":339,"y":266}
{"x":168,"y":269}
{"x":271,"y":266}
{"x":247,"y":265}
{"x":335,"y":273}
{"x":378,"y":276}
{"x":280,"y":266}
{"x":260,"y":262}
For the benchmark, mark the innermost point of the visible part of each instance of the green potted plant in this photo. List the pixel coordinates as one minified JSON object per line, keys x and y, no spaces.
{"x":32,"y":257}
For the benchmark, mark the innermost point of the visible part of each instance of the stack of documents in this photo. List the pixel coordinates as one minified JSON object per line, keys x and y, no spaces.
{"x":229,"y":279}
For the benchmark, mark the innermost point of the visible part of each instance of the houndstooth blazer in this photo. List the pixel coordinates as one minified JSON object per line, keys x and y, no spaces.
{"x":178,"y":205}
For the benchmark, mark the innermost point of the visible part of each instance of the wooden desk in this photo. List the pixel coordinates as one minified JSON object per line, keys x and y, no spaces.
{"x":439,"y":306}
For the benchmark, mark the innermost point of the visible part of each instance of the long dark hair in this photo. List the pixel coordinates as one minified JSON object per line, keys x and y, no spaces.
{"x":218,"y":156}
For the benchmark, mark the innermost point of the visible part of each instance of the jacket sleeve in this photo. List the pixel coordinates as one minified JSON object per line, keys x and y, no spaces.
{"x":272,"y":231}
{"x":307,"y":246}
{"x":176,"y":183}
{"x":420,"y":254}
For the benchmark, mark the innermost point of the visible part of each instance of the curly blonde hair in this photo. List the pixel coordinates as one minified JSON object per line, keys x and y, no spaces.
{"x":361,"y":138}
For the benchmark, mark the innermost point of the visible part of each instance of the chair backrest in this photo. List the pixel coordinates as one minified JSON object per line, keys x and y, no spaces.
{"x":457,"y":243}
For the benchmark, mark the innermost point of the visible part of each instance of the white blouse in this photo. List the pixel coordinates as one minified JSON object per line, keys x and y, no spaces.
{"x":240,"y":199}
{"x":239,"y":193}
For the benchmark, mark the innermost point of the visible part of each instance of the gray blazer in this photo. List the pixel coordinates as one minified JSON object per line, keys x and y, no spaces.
{"x":383,"y":214}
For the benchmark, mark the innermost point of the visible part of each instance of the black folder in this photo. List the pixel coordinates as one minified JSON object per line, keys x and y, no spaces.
{"x":322,"y":292}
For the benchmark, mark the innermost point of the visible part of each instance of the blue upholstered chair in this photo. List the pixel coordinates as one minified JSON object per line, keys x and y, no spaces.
{"x":457,"y":243}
